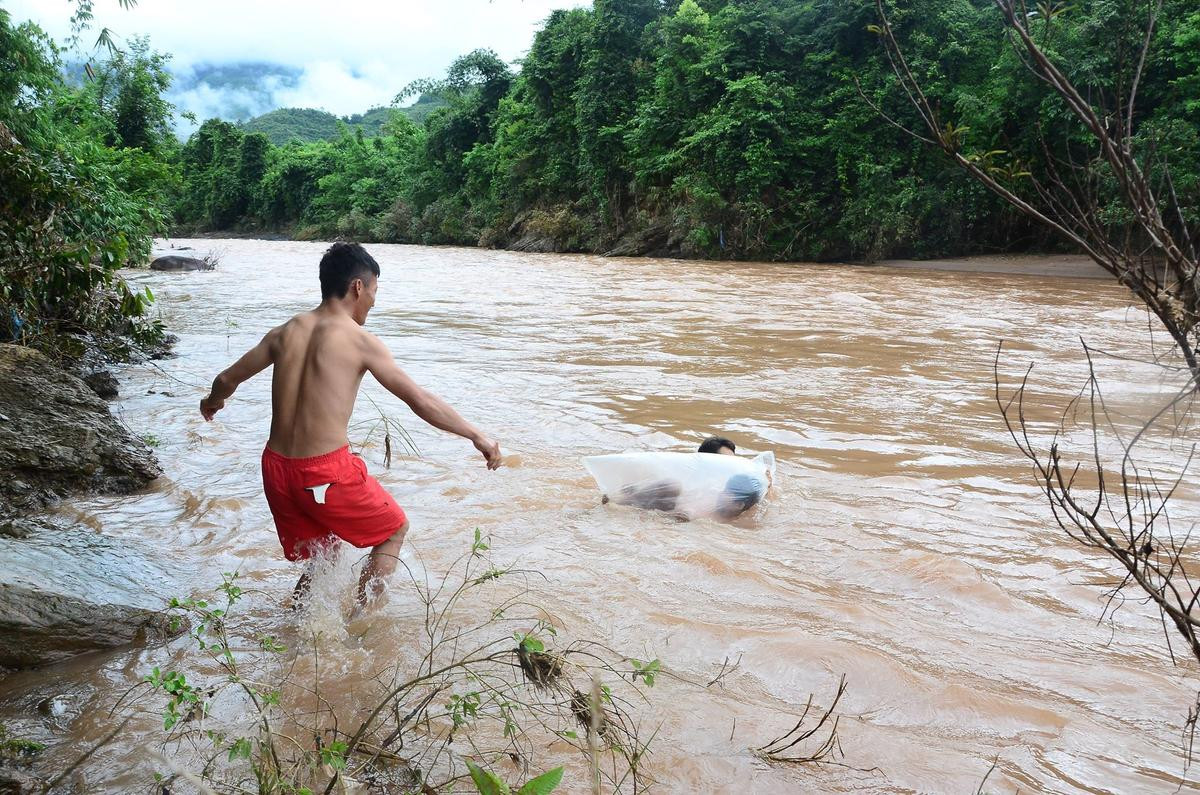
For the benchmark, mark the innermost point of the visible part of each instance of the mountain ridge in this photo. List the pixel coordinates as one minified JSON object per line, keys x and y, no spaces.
{"x":312,"y":124}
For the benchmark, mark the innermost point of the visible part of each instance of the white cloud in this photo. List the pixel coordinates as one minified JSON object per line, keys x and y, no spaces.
{"x":339,"y":88}
{"x":354,"y":54}
{"x":206,"y":102}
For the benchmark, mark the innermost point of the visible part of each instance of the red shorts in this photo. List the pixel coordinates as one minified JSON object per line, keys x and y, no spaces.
{"x":320,"y":499}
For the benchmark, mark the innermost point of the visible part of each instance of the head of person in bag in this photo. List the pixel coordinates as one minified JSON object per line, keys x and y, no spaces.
{"x":718,"y":445}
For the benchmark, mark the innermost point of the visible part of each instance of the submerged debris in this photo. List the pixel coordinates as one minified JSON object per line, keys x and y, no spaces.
{"x":582,"y":709}
{"x":539,"y":667}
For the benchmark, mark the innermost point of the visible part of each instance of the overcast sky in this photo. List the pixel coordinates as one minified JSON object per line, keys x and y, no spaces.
{"x":354,"y":54}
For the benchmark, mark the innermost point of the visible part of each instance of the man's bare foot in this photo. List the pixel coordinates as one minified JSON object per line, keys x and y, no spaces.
{"x":368,"y":601}
{"x":364,"y":609}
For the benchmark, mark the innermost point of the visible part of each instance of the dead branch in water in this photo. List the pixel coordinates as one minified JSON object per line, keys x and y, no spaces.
{"x":726,"y":670}
{"x":987,"y":775}
{"x":827,"y":750}
{"x":1127,"y":517}
{"x":393,"y":432}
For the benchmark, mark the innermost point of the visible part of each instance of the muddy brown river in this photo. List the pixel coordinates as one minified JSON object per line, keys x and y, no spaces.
{"x":905,"y":544}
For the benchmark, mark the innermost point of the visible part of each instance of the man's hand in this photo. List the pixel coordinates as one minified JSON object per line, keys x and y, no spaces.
{"x":210,"y":406}
{"x":253,"y":362}
{"x":490,"y":450}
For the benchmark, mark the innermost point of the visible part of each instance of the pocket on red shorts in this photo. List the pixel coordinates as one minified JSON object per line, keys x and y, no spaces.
{"x":356,"y":472}
{"x":318,"y":483}
{"x":357,"y":508}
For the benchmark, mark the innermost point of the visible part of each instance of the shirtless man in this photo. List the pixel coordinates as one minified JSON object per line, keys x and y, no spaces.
{"x":318,"y":492}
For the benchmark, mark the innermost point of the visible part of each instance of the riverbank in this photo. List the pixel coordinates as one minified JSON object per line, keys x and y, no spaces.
{"x":1065,"y":266}
{"x":63,"y":591}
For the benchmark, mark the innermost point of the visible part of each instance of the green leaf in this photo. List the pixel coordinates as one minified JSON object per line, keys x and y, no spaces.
{"x":486,"y":782}
{"x":334,"y":755}
{"x":529,"y":643}
{"x":240,"y":749}
{"x":543,"y":784}
{"x":646,"y":671}
{"x":271,"y":644}
{"x":480,"y":545}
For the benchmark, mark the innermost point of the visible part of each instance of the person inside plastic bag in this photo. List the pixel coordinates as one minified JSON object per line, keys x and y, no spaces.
{"x":741,"y":492}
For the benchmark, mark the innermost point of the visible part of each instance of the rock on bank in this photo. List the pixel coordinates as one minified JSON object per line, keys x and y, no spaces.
{"x":57,"y":437}
{"x":65,"y":590}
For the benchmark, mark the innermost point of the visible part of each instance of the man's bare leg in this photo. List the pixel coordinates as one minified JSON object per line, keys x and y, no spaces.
{"x":300,"y":593}
{"x":379,"y":566}
{"x":303,"y":585}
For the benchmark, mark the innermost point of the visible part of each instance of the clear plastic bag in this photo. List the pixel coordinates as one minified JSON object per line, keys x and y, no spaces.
{"x":688,"y":484}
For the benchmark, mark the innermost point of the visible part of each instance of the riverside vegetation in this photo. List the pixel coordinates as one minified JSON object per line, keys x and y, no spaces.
{"x":715,"y":129}
{"x":712,"y":129}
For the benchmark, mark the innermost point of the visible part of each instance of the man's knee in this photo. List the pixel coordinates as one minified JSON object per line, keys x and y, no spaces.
{"x":392,"y":545}
{"x":398,"y":536}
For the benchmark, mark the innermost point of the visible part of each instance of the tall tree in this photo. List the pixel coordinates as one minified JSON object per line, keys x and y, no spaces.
{"x":129,"y":88}
{"x":614,"y":67}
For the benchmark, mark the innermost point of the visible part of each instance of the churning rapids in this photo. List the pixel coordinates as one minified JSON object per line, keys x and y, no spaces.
{"x":905,"y":545}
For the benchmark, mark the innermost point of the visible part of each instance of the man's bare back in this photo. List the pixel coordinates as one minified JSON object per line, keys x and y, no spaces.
{"x":319,"y":364}
{"x":320,"y":358}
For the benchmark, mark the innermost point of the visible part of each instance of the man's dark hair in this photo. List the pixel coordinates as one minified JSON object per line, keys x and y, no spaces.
{"x":713,"y":444}
{"x":342,"y":264}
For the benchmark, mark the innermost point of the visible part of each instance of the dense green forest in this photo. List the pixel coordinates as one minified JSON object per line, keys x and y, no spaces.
{"x":698,"y":128}
{"x":709,"y":128}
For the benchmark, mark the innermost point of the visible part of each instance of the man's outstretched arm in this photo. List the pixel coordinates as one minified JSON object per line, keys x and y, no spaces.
{"x":253,"y":362}
{"x":425,"y":404}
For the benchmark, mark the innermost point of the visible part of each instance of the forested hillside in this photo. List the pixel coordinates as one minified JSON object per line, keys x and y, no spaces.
{"x":308,"y":124}
{"x":711,"y":128}
{"x":765,"y":129}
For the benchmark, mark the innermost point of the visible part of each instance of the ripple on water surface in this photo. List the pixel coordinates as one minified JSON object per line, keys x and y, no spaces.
{"x":905,"y":544}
